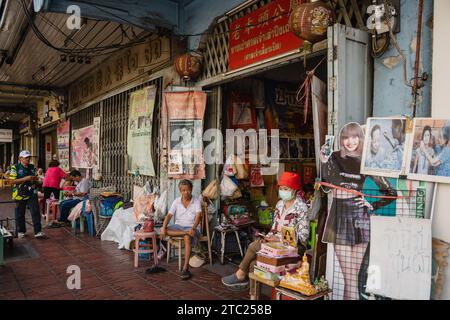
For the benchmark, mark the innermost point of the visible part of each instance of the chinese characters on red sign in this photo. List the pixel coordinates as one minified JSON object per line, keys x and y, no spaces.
{"x":262,"y":34}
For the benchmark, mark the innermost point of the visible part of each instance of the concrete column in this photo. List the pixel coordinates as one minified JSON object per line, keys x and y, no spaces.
{"x":440,"y":109}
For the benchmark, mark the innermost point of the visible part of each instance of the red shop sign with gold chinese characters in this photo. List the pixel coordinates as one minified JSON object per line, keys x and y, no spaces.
{"x":262,"y":34}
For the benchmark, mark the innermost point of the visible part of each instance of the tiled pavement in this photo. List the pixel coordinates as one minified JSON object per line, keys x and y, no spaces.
{"x":106,"y":273}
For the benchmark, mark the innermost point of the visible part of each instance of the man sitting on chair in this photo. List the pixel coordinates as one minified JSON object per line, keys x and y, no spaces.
{"x":188,"y":213}
{"x":81,"y":190}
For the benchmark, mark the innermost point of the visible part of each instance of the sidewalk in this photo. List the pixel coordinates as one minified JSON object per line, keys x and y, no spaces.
{"x":106,"y":272}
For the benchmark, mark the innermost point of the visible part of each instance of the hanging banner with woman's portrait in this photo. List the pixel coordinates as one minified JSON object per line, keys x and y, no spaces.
{"x":185,"y":134}
{"x":140,"y":123}
{"x":429,"y":151}
{"x":384,"y":149}
{"x":84,"y":154}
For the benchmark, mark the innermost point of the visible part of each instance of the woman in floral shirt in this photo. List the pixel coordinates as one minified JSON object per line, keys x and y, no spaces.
{"x":291,"y":211}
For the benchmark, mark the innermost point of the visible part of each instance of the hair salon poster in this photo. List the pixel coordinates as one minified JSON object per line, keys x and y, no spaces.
{"x":139,"y":147}
{"x":83,"y":150}
{"x":63,"y":132}
{"x":185,"y":132}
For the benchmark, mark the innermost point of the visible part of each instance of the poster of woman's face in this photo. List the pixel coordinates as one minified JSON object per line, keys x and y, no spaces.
{"x":186,"y":134}
{"x":429,"y":151}
{"x":384,"y":148}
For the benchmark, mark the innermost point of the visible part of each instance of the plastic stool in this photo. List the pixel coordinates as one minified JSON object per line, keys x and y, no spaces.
{"x":140,"y":235}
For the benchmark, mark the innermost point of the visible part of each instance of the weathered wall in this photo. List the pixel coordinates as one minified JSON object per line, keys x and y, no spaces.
{"x":391,"y":95}
{"x":440,"y":108}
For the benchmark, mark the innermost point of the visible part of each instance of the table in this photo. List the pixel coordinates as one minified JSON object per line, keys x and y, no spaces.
{"x":255,"y":285}
{"x":280,"y":291}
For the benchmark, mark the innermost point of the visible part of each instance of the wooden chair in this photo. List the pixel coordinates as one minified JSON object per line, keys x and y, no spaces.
{"x":178,"y":242}
{"x":204,"y":227}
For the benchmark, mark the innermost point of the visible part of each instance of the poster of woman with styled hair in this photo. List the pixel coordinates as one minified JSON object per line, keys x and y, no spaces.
{"x":348,"y":222}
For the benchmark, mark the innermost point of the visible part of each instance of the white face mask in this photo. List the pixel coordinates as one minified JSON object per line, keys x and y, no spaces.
{"x":286,"y":195}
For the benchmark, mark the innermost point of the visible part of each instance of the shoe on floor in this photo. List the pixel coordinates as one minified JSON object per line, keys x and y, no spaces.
{"x":232,"y":281}
{"x":20,"y":235}
{"x":185,"y":274}
{"x":40,"y":235}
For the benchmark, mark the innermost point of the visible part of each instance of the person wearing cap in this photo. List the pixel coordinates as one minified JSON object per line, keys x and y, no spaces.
{"x":23,"y":179}
{"x":291,"y":211}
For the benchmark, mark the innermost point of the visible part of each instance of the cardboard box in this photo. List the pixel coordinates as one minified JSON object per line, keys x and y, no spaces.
{"x":277,"y":261}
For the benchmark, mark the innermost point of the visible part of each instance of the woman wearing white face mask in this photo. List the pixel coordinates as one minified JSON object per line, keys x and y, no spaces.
{"x":291,"y":211}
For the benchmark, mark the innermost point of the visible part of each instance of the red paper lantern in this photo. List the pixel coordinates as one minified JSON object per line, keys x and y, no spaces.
{"x":310,"y":21}
{"x":188,"y":66}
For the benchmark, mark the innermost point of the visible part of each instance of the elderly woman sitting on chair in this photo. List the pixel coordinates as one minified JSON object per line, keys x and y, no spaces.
{"x":291,"y":211}
{"x":187,"y":211}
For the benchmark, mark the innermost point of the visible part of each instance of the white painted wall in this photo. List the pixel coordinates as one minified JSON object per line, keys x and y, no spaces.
{"x":440,"y":108}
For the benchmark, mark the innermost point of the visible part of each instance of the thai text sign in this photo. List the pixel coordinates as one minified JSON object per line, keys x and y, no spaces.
{"x":6,"y":135}
{"x":262,"y":34}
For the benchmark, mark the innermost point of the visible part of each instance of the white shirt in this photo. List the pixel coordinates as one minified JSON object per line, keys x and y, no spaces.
{"x":185,"y":217}
{"x":83,"y":187}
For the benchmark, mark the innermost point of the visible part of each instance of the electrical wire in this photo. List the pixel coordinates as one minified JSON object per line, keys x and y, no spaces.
{"x":96,"y":51}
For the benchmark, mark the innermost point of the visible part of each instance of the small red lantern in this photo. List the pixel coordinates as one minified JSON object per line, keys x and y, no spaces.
{"x":188,"y":66}
{"x":310,"y":21}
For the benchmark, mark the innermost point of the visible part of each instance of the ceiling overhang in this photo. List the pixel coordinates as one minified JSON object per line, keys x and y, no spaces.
{"x":144,"y":14}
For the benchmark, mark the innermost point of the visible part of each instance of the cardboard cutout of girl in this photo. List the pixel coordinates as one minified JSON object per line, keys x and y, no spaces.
{"x":348,"y":222}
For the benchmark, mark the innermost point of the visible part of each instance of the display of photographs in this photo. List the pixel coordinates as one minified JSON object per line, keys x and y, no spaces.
{"x":176,"y":162}
{"x":384,"y":147}
{"x":186,"y":134}
{"x":429,"y":151}
{"x":295,"y":151}
{"x":284,"y":148}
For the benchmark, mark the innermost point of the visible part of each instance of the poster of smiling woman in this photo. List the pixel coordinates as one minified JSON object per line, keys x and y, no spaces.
{"x":429,"y":151}
{"x":348,"y":223}
{"x":84,"y":153}
{"x":384,"y":149}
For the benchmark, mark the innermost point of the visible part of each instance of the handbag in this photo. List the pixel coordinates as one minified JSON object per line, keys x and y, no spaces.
{"x":241,"y":170}
{"x":227,"y":186}
{"x":25,"y":190}
{"x":211,"y":191}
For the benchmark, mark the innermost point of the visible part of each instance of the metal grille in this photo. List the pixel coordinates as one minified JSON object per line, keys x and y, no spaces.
{"x":349,"y":12}
{"x":113,"y":138}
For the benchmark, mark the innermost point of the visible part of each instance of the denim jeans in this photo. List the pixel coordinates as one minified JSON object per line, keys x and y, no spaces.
{"x":65,"y":207}
{"x":33,"y":206}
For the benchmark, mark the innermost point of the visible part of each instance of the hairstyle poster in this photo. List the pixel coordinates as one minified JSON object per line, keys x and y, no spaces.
{"x":82,"y":150}
{"x":63,"y":133}
{"x":140,"y":124}
{"x":185,"y":112}
{"x":429,"y":151}
{"x":384,"y":148}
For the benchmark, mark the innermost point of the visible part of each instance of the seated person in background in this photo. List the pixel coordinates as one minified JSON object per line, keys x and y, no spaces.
{"x":188,"y":212}
{"x":81,"y":190}
{"x":291,"y":211}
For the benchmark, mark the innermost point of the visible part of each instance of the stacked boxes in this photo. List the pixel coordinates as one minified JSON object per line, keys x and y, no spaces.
{"x":274,"y":260}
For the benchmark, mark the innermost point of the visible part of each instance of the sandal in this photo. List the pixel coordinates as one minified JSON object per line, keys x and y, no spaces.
{"x":185,"y":274}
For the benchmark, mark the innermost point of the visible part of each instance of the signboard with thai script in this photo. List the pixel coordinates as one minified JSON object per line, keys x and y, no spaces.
{"x":262,"y":34}
{"x":6,"y":135}
{"x":400,"y":258}
{"x":119,"y":69}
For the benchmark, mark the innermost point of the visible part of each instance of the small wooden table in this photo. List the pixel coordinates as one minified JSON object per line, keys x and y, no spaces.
{"x":255,"y":285}
{"x":280,"y":291}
